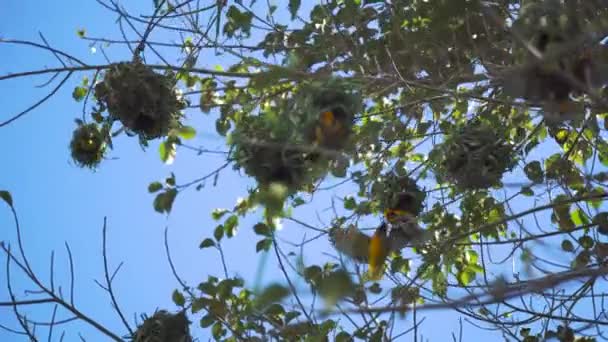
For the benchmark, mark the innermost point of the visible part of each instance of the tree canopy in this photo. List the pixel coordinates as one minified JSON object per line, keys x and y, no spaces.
{"x":454,"y":151}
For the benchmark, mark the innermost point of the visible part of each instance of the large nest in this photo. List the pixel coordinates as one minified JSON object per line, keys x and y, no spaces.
{"x":271,"y":156}
{"x":295,"y":141}
{"x":88,"y":145}
{"x":474,"y":157}
{"x":398,"y":192}
{"x":144,"y":101}
{"x":555,"y":30}
{"x":164,"y":327}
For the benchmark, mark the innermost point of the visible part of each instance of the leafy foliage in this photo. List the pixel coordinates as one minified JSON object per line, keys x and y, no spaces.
{"x":484,"y":123}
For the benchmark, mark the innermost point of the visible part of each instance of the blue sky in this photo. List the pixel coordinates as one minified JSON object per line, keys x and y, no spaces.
{"x":58,"y":202}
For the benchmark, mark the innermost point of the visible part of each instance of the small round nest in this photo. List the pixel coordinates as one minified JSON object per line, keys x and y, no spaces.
{"x":399,"y":192}
{"x":144,"y":101}
{"x":88,"y":145}
{"x":272,"y":157}
{"x":164,"y":327}
{"x":475,"y":157}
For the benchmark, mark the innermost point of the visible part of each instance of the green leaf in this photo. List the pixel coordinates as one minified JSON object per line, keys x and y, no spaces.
{"x":466,"y":276}
{"x":601,"y":219}
{"x":262,"y":229}
{"x":484,"y":311}
{"x":586,"y":242}
{"x":207,"y":321}
{"x":6,"y":196}
{"x":313,"y":274}
{"x":567,"y":246}
{"x":79,"y":93}
{"x":81,"y":33}
{"x":274,"y":293}
{"x":471,"y":256}
{"x":222,"y":126}
{"x":218,"y":233}
{"x":336,"y":286}
{"x":208,"y":288}
{"x":217,"y":331}
{"x":579,"y":217}
{"x":601,"y":176}
{"x":217,"y":214}
{"x":263,"y":245}
{"x":298,"y":201}
{"x":375,"y":288}
{"x":186,"y":132}
{"x":167,"y":150}
{"x":440,"y":285}
{"x":344,"y":337}
{"x":527,"y":191}
{"x":207,"y":243}
{"x":154,"y":187}
{"x":178,"y":298}
{"x":291,"y":315}
{"x":582,"y":259}
{"x":294,"y":5}
{"x":164,"y":201}
{"x":534,"y":172}
{"x":231,"y":225}
{"x":170,"y":180}
{"x":350,"y":203}
{"x":199,"y":304}
{"x":275,"y":310}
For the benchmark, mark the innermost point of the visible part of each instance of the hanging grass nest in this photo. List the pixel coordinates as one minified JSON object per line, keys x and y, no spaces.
{"x":398,"y":192}
{"x":553,"y":28}
{"x":88,"y":145}
{"x":144,"y":101}
{"x":266,"y":149}
{"x":164,"y":327}
{"x":474,"y":157}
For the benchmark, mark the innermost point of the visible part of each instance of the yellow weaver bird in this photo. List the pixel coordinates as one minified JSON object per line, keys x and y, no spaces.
{"x":399,"y":230}
{"x":378,"y":252}
{"x":331,"y":130}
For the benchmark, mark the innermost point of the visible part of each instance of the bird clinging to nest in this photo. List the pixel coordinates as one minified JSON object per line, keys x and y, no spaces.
{"x":399,"y":230}
{"x":332,"y":129}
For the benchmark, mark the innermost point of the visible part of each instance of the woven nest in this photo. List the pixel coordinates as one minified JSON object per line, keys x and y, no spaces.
{"x":87,"y":146}
{"x":144,"y":101}
{"x":550,"y":16}
{"x":552,"y":27}
{"x":272,"y":157}
{"x":399,"y":192}
{"x":164,"y":327}
{"x":475,"y":157}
